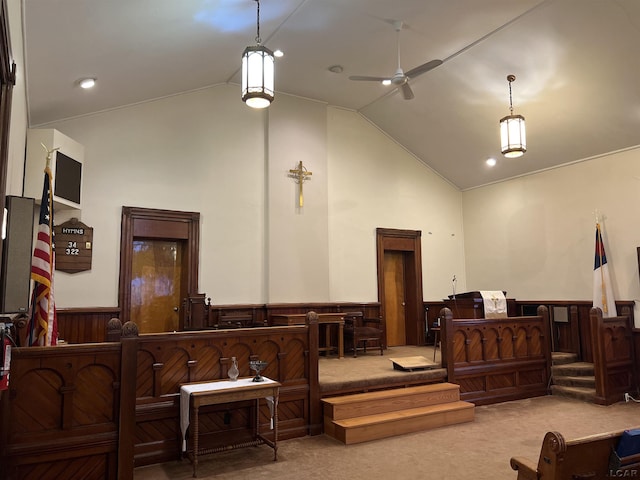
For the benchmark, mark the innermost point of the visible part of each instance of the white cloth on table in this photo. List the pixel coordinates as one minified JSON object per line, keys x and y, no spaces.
{"x":187,"y":390}
{"x":495,"y":303}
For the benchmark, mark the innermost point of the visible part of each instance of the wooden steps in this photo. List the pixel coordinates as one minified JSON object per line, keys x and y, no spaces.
{"x":385,"y":413}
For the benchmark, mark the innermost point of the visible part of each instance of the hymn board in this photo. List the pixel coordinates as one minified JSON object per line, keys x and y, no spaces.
{"x":73,"y":242}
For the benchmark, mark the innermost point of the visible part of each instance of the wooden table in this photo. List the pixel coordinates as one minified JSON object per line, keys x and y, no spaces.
{"x":196,"y":395}
{"x":327,"y":319}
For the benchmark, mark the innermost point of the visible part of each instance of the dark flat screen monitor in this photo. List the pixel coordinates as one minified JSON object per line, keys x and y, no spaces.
{"x":68,"y":178}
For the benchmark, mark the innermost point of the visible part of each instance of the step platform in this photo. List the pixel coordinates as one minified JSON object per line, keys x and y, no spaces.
{"x":369,"y":416}
{"x":410,"y":364}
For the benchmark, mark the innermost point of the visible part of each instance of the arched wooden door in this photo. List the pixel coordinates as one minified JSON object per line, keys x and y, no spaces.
{"x":159,"y":252}
{"x":400,"y":285}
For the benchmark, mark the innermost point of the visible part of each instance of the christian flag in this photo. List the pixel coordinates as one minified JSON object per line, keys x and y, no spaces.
{"x":43,"y":328}
{"x":602,"y":289}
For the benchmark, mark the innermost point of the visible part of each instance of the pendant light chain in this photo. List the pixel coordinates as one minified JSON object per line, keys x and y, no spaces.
{"x":511,"y":78}
{"x":258,"y":39}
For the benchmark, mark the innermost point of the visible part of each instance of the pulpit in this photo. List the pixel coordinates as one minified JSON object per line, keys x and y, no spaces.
{"x":471,"y":304}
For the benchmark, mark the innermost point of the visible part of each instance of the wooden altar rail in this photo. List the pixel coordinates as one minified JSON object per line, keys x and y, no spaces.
{"x":497,"y":359}
{"x":572,"y":335}
{"x":107,"y":408}
{"x":157,"y":364}
{"x":61,"y":414}
{"x":613,"y":356}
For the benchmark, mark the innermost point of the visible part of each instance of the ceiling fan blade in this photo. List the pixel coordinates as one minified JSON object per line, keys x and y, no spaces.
{"x":425,"y":67}
{"x":407,"y":93}
{"x":366,"y":78}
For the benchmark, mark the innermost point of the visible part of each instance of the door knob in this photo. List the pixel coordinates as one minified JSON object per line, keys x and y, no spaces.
{"x":175,"y":309}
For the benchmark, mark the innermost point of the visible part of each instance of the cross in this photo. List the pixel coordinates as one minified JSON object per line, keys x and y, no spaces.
{"x":494,"y":299}
{"x":300,"y":174}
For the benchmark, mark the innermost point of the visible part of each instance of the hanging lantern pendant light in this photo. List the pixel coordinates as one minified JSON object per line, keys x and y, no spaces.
{"x":513,"y":137}
{"x":257,"y":72}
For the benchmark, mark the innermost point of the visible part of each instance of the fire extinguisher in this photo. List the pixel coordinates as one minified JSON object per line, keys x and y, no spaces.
{"x":5,"y":366}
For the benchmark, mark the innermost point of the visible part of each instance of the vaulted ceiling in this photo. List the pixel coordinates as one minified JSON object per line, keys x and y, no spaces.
{"x":575,"y":61}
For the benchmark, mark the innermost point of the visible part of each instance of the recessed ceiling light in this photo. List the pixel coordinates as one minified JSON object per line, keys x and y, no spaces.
{"x":491,"y":162}
{"x":278,"y":53}
{"x":87,"y":82}
{"x":336,"y":69}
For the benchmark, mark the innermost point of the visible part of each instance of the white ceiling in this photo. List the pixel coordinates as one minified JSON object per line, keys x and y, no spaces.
{"x":576,"y":63}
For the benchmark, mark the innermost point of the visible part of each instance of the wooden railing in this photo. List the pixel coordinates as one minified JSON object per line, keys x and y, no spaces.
{"x":61,"y":413}
{"x":106,"y":408}
{"x":613,"y":356}
{"x":157,"y":364}
{"x":497,"y":359}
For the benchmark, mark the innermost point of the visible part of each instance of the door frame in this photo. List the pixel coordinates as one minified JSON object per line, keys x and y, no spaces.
{"x":149,"y":223}
{"x":409,"y":243}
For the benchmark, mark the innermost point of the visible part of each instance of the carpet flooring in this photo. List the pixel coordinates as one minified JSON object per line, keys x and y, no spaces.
{"x":479,"y":450}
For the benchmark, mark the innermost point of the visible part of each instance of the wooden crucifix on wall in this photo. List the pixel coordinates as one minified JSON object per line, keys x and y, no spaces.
{"x":300,"y":174}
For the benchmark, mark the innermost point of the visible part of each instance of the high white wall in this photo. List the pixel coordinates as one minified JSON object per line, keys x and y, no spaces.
{"x":535,"y":236}
{"x":205,"y":151}
{"x":298,"y":244}
{"x":374,"y":182}
{"x":202,"y":152}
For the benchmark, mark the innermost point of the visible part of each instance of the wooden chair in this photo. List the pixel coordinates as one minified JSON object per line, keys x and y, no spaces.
{"x":195,"y":312}
{"x":358,"y":329}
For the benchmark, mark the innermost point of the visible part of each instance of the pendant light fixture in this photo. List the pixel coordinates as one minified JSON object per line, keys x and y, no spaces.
{"x":513,"y":135}
{"x":257,"y":72}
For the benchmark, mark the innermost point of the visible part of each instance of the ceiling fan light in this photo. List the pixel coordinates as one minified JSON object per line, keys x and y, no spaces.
{"x":513,"y":136}
{"x":386,"y":82}
{"x":258,"y":76}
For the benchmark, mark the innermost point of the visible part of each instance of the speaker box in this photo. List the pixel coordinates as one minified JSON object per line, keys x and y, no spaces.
{"x":15,"y":275}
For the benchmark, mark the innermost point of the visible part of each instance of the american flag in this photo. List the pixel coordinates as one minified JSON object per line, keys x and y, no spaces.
{"x":43,"y":328}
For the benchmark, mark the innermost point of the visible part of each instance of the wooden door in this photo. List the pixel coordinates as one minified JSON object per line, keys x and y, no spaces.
{"x":394,"y":298}
{"x":156,"y":274}
{"x":158,"y":266}
{"x":399,"y":264}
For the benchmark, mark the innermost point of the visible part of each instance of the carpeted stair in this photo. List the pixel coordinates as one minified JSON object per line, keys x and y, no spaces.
{"x":572,"y":379}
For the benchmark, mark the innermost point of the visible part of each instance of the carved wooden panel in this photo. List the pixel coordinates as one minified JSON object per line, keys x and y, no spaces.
{"x":613,"y":355}
{"x":497,"y":359}
{"x":165,"y":361}
{"x":60,"y":416}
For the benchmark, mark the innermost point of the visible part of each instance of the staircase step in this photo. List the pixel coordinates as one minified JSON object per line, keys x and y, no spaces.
{"x":561,"y":358}
{"x":586,"y":381}
{"x":575,"y":369}
{"x":581,"y":393}
{"x":383,"y":425}
{"x":384,"y":401}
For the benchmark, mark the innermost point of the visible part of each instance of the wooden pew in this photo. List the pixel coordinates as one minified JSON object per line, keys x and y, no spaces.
{"x":579,"y":459}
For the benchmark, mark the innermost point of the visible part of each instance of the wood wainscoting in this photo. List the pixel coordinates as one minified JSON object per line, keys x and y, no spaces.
{"x":89,"y":325}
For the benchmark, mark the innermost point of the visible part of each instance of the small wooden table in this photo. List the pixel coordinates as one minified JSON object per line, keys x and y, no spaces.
{"x":196,"y":395}
{"x":326,"y":319}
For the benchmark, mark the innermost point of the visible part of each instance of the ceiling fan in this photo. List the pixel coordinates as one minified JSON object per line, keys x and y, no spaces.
{"x":400,"y":79}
